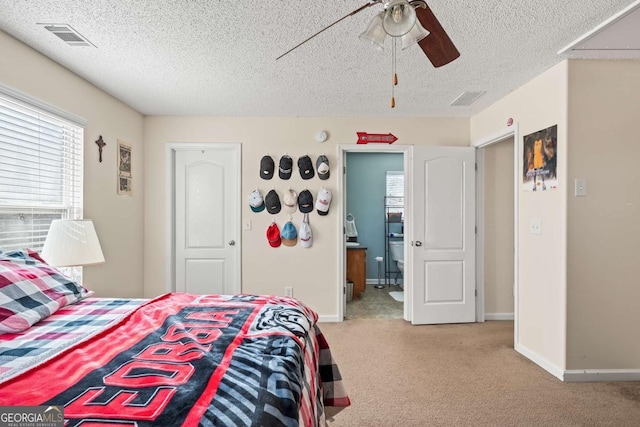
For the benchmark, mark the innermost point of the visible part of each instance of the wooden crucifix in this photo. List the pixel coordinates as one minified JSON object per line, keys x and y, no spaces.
{"x":101,"y":144}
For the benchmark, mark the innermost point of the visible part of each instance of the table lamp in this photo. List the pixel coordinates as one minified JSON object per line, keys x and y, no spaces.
{"x":72,"y":243}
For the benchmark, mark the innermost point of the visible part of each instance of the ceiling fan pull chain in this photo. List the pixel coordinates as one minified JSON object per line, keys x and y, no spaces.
{"x":393,"y":71}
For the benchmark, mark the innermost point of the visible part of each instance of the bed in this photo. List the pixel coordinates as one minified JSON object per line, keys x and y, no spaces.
{"x":177,"y":359}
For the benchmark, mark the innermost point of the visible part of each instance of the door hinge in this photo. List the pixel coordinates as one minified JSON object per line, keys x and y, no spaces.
{"x":476,"y":292}
{"x":344,"y":170}
{"x":476,"y":167}
{"x":476,"y":227}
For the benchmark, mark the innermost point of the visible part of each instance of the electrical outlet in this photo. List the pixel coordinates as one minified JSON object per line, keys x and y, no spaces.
{"x":288,"y":291}
{"x":535,"y":226}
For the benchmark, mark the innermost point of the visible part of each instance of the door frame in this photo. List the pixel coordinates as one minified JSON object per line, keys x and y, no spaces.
{"x":507,"y":133}
{"x":407,"y":279}
{"x":170,"y":150}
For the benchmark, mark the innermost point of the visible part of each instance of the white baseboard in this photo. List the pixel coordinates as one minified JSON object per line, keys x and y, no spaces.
{"x":540,"y":361}
{"x":591,"y":375}
{"x":499,"y":316}
{"x":579,"y":375}
{"x":325,"y":318}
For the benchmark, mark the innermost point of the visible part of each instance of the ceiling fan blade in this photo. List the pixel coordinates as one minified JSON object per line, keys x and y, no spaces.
{"x":437,"y":45}
{"x":361,"y":8}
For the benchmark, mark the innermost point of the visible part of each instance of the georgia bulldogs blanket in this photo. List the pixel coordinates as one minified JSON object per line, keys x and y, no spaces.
{"x":191,"y":360}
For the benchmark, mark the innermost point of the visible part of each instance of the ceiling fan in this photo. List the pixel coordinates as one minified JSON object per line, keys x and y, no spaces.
{"x":407,"y":19}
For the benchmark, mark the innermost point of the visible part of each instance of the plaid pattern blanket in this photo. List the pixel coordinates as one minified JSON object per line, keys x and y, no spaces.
{"x":70,"y":324}
{"x":183,"y":359}
{"x":31,"y":290}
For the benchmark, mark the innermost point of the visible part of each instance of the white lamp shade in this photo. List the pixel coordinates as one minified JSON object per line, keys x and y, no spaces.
{"x":72,"y":242}
{"x":416,"y":34}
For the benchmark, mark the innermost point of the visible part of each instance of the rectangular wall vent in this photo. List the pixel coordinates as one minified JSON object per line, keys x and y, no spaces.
{"x":67,"y":34}
{"x":467,"y":98}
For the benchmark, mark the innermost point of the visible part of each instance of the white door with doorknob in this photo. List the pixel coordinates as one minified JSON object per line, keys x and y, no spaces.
{"x":444,"y":235}
{"x":207,"y":219}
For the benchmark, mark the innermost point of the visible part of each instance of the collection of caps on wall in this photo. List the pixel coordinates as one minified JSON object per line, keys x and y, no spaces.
{"x":291,"y":201}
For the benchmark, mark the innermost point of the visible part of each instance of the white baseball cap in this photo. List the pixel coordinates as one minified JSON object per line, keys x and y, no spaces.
{"x":256,"y":201}
{"x":290,"y":201}
{"x":304,"y":235}
{"x":323,"y":201}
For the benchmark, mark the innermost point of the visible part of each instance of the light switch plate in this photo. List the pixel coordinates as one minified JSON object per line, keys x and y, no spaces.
{"x":246,"y":224}
{"x":581,"y":187}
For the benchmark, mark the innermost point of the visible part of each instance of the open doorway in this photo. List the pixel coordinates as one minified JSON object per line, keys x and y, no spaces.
{"x":374,"y":229}
{"x":497,"y":216}
{"x":367,"y":165}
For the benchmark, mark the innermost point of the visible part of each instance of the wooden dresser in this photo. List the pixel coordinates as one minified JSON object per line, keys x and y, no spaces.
{"x":357,"y":269}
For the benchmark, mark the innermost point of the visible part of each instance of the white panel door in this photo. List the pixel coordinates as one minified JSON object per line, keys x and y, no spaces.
{"x":444,"y":235}
{"x":207,"y":220}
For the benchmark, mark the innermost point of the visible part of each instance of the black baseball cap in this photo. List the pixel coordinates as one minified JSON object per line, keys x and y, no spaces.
{"x":305,"y":201}
{"x":306,"y":167}
{"x":272,"y":202}
{"x":266,"y":167}
{"x":286,"y":167}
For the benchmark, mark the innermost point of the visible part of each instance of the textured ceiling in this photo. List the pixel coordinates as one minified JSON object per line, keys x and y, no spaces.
{"x":206,"y":57}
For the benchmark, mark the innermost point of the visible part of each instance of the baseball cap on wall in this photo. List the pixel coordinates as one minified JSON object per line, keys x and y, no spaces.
{"x":256,"y":201}
{"x":272,"y":202}
{"x":286,"y":167}
{"x":305,"y":235}
{"x":289,"y":234}
{"x":322,"y":165}
{"x":306,"y":167}
{"x":273,"y":235}
{"x":266,"y":167}
{"x":290,"y":201}
{"x":305,"y":201}
{"x":323,"y":201}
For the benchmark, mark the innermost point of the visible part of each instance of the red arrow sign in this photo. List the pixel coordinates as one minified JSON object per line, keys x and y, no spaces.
{"x":384,"y":138}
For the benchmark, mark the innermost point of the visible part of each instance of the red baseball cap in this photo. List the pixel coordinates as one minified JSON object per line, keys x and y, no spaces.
{"x":273,"y":235}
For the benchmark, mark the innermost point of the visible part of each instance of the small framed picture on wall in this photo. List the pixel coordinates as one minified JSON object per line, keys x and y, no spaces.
{"x":125,"y":179}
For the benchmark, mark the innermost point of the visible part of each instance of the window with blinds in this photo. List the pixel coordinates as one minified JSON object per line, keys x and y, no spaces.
{"x":41,"y":163}
{"x":394,"y":199}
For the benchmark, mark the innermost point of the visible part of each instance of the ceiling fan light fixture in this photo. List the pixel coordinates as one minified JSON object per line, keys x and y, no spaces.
{"x":375,"y":34}
{"x":399,"y":18}
{"x":416,"y":34}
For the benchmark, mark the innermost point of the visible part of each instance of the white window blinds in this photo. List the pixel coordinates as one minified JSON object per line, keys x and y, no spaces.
{"x":394,"y":199}
{"x":41,"y":158}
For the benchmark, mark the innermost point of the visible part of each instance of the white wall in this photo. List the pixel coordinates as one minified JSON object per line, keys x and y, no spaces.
{"x":538,"y":104}
{"x":604,"y":227}
{"x":118,"y":219}
{"x":313,"y":273}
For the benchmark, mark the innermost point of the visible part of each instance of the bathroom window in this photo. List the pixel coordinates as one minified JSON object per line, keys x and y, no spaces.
{"x":395,"y":191}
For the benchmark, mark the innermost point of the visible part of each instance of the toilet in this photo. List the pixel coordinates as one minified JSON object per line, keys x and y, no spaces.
{"x":396,"y":251}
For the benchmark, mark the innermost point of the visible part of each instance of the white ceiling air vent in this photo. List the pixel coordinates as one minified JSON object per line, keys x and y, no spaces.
{"x":67,"y":34}
{"x":467,"y":98}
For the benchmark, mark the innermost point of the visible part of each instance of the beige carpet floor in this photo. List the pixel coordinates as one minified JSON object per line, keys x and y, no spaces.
{"x":400,"y":375}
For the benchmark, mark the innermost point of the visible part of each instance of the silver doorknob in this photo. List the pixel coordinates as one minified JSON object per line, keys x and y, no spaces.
{"x":418,"y":243}
{"x":232,"y":242}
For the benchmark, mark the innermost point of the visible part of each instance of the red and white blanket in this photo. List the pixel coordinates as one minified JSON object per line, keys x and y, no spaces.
{"x":184,"y":359}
